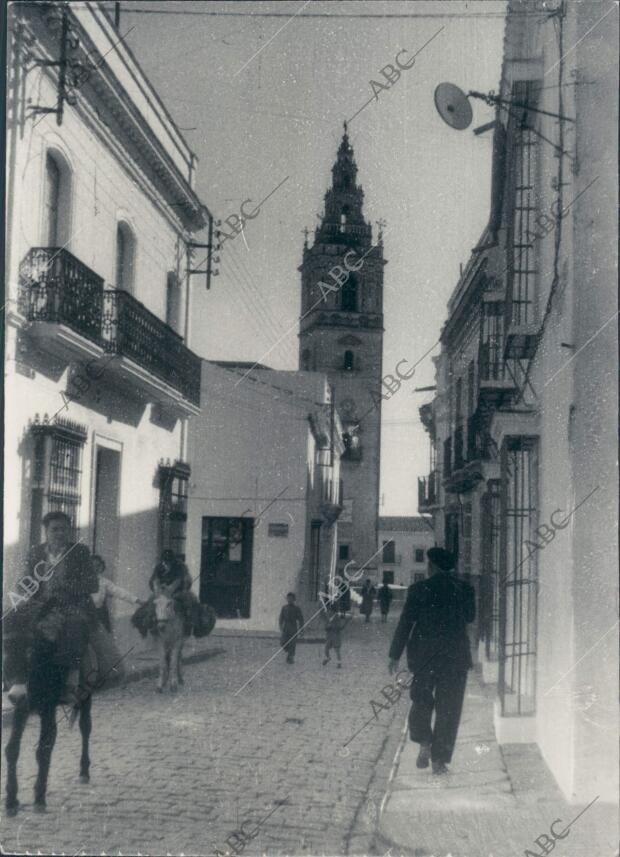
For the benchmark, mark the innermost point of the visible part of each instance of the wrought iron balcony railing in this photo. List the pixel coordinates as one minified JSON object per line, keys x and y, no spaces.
{"x":131,"y":330}
{"x":54,"y":286}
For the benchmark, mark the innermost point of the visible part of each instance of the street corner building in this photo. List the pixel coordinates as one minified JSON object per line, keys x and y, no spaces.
{"x":265,"y":492}
{"x":101,"y":209}
{"x":521,"y":486}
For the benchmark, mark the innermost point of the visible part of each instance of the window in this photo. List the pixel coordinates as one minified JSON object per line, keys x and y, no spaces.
{"x":52,"y":201}
{"x":518,"y":578}
{"x":488,"y":621}
{"x":348,"y":361}
{"x":525,"y":209}
{"x":125,"y":257}
{"x":389,"y":552}
{"x":173,"y":485}
{"x":348,"y":301}
{"x":344,"y":214}
{"x":388,"y":577}
{"x":419,"y":554}
{"x":465,"y":565}
{"x":351,"y":441}
{"x":343,"y":552}
{"x":492,"y":342}
{"x":305,"y":359}
{"x":57,"y":473}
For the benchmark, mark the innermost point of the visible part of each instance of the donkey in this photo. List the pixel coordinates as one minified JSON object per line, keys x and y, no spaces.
{"x":170,"y":630}
{"x":45,"y":681}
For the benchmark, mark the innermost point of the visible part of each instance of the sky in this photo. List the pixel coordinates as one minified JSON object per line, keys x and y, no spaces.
{"x":261,"y":101}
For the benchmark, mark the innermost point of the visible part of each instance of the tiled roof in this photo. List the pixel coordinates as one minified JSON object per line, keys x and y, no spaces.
{"x":413,"y":524}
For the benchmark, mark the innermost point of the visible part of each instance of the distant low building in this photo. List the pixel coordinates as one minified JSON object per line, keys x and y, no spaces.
{"x":403,"y":542}
{"x":265,"y":493}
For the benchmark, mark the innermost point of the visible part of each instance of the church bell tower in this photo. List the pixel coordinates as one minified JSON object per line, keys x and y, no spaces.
{"x":341,"y":334}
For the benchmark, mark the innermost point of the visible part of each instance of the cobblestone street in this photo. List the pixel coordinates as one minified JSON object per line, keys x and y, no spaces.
{"x":178,"y":774}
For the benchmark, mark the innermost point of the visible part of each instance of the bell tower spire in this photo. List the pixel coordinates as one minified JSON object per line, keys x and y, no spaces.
{"x":341,"y":334}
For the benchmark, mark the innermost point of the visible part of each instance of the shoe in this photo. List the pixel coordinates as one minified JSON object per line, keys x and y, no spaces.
{"x":424,"y":756}
{"x":440,"y":768}
{"x":326,"y":661}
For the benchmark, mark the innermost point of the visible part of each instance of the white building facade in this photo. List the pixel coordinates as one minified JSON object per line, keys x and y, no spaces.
{"x":98,"y":371}
{"x":523,"y":482}
{"x":265,"y":493}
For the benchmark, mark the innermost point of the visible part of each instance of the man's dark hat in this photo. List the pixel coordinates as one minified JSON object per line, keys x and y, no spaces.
{"x":442,"y":558}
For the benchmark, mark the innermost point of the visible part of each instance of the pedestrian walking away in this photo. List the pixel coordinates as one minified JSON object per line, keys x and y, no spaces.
{"x":290,"y":617}
{"x":368,"y":593}
{"x":432,"y":627}
{"x":385,"y":599}
{"x":334,"y":624}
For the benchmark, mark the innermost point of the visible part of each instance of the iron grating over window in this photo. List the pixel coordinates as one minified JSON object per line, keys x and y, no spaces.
{"x":57,"y":472}
{"x":525,"y":211}
{"x":489,"y":582}
{"x":173,"y":490}
{"x":518,"y":576}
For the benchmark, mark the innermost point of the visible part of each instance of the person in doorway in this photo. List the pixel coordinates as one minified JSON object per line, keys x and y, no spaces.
{"x":385,"y":599}
{"x":290,"y":617}
{"x":432,"y":627}
{"x":368,"y":593}
{"x":334,"y":624}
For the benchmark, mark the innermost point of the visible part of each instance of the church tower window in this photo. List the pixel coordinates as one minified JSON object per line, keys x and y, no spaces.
{"x":349,"y":361}
{"x":349,"y":296}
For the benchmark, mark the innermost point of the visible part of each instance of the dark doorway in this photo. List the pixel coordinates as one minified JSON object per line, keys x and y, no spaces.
{"x":226,"y":566}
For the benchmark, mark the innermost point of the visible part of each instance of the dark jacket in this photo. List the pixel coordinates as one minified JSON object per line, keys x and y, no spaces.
{"x":175,"y":577}
{"x":290,"y":615}
{"x":64,"y":589}
{"x":384,"y":598}
{"x":433,"y":624}
{"x":71,"y":582}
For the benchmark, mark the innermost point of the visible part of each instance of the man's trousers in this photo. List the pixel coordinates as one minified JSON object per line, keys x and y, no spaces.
{"x":442,"y":690}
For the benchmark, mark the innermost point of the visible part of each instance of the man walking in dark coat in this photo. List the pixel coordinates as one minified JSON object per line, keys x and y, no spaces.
{"x":290,"y":617}
{"x":433,"y":628}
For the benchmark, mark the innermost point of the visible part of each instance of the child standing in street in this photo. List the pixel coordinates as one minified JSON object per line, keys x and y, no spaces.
{"x":334,"y":623}
{"x":290,"y":617}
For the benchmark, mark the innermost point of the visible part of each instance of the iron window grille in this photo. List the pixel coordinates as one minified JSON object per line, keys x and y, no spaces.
{"x":525,"y":210}
{"x":518,"y":578}
{"x":57,"y":472}
{"x":173,"y":491}
{"x":489,"y":583}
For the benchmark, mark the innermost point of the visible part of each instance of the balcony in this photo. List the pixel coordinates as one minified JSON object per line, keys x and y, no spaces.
{"x":131,"y":330}
{"x":521,"y":330}
{"x":495,"y":383}
{"x":466,"y":469}
{"x":73,"y":317}
{"x":427,"y":492}
{"x":331,"y":498}
{"x":56,"y":288}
